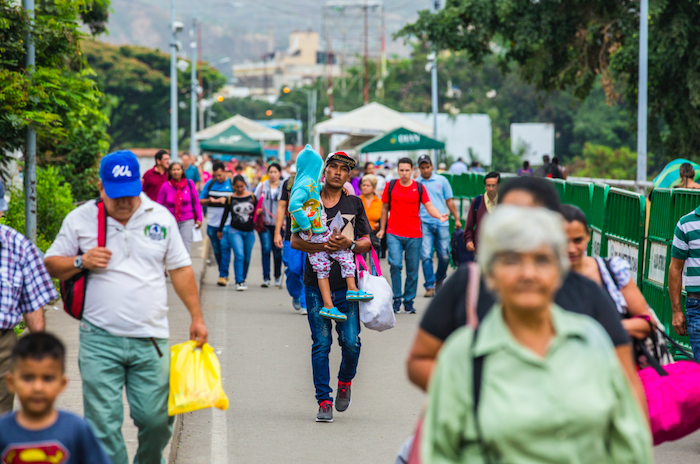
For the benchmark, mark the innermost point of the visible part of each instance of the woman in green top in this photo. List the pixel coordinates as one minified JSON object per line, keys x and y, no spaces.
{"x":551,"y":390}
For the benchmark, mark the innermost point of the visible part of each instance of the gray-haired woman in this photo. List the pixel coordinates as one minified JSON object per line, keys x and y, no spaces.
{"x":551,"y":388}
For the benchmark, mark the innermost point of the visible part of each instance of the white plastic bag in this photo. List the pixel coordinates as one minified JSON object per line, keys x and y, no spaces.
{"x":196,"y":234}
{"x":378,"y":313}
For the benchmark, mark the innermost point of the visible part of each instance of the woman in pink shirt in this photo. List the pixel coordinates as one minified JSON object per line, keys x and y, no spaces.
{"x":179,"y":195}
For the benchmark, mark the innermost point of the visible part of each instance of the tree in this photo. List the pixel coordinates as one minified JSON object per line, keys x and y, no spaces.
{"x":136,"y":82}
{"x":570,"y":44}
{"x":599,"y":161}
{"x":58,"y":97}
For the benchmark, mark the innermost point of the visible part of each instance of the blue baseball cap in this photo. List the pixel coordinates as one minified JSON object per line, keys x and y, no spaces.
{"x":119,"y":172}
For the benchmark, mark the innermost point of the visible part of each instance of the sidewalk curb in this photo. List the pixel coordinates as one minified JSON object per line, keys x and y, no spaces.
{"x":177,"y":428}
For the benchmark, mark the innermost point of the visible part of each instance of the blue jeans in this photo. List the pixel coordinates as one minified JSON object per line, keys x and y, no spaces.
{"x":242,"y":244}
{"x":437,"y":237}
{"x":215,"y":245}
{"x":268,"y":246}
{"x":692,"y":317}
{"x":294,"y":261}
{"x":322,"y":337}
{"x":397,"y":245}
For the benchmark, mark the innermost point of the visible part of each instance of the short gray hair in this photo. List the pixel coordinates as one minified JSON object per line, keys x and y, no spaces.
{"x":518,"y":229}
{"x":371,"y":178}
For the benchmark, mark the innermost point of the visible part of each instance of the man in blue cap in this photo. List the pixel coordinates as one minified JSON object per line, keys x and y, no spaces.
{"x":124,"y":331}
{"x":25,"y":288}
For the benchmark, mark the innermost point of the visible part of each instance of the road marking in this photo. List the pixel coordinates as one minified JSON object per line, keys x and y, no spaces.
{"x":219,"y":432}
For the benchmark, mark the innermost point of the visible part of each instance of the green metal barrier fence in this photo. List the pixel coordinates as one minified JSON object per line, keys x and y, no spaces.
{"x":560,"y":185}
{"x":581,"y":195}
{"x":596,"y":219}
{"x":658,"y":254}
{"x":624,"y":229}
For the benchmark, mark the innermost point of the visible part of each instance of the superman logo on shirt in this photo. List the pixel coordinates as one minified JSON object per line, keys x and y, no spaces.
{"x":36,"y":453}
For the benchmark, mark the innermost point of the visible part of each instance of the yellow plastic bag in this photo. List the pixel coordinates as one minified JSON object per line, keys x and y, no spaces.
{"x":195,"y":379}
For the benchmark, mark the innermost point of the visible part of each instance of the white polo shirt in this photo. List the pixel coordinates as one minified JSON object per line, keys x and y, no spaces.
{"x":129,"y":298}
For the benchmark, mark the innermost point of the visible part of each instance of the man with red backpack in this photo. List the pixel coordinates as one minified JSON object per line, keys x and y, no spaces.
{"x":404,"y":197}
{"x":124,"y":322}
{"x":480,"y":207}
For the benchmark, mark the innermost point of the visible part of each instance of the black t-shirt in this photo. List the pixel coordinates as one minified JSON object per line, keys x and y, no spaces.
{"x":286,"y":189}
{"x":447,"y":311}
{"x":241,"y":210}
{"x":356,"y":226}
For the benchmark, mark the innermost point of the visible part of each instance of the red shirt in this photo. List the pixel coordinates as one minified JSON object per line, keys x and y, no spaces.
{"x":404,"y":217}
{"x":152,"y":182}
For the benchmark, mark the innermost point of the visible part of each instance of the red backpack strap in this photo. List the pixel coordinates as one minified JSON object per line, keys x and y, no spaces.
{"x":101,"y":224}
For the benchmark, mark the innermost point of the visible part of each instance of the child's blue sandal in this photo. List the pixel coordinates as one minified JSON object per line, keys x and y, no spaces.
{"x":359,"y":295}
{"x":333,"y":313}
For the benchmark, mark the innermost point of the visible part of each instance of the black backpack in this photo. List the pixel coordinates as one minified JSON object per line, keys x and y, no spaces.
{"x":392,"y":184}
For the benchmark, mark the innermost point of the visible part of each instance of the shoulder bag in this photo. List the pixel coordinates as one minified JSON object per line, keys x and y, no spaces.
{"x":73,"y":290}
{"x":673,"y":395}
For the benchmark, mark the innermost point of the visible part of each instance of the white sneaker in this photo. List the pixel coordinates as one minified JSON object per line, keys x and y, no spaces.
{"x":240,"y":287}
{"x":244,"y":285}
{"x":278,"y":281}
{"x":304,"y":312}
{"x":266,"y":283}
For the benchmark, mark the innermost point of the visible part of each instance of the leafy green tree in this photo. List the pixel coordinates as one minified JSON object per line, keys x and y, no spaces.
{"x":136,"y":82}
{"x":54,"y":202}
{"x":58,"y":97}
{"x":599,"y":161}
{"x":570,"y":44}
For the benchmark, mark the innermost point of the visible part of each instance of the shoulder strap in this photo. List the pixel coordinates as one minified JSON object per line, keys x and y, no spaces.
{"x":610,"y":272}
{"x":420,"y":193}
{"x":477,"y":375}
{"x":101,"y":223}
{"x":477,"y":203}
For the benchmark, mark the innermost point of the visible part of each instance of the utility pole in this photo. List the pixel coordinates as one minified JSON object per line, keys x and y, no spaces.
{"x":642,"y":92}
{"x":434,"y":85}
{"x":193,"y":89}
{"x":366,"y":53}
{"x":173,"y":83}
{"x":201,"y":75}
{"x":30,"y":143}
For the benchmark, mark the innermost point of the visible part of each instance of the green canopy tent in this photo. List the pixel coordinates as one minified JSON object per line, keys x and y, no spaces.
{"x":400,"y":139}
{"x":232,"y":141}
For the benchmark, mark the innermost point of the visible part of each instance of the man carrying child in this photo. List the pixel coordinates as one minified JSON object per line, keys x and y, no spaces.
{"x":337,"y":171}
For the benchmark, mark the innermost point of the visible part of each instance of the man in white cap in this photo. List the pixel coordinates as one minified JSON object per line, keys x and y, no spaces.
{"x":124,"y":330}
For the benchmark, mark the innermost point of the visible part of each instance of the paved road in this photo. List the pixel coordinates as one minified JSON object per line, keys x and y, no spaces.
{"x":264,"y":347}
{"x":265,"y":352}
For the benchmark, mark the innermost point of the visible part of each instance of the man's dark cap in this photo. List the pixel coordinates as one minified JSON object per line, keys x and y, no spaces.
{"x":424,"y":159}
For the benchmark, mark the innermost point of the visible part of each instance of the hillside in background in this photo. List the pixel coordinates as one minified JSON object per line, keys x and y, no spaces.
{"x":240,"y":32}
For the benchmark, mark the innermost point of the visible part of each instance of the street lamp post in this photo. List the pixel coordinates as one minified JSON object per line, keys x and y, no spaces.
{"x":193,"y":89}
{"x":642,"y":92}
{"x":297,"y":108}
{"x":434,"y":88}
{"x":30,"y":142}
{"x":175,"y":27}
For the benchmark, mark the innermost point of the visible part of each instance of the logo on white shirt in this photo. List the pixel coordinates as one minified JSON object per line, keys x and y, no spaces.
{"x":121,"y":171}
{"x":155,"y":232}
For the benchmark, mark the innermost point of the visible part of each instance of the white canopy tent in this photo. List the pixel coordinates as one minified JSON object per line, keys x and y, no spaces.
{"x":252,"y":129}
{"x":367,"y":122}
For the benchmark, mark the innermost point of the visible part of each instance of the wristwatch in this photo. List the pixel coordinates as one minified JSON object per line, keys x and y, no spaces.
{"x":352,"y":247}
{"x":78,"y":263}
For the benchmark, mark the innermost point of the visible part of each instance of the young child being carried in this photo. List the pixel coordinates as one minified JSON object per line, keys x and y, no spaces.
{"x":38,"y":432}
{"x":309,"y":220}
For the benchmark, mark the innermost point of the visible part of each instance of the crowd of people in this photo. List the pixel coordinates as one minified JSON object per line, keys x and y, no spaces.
{"x":525,"y":351}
